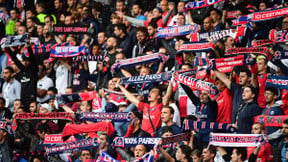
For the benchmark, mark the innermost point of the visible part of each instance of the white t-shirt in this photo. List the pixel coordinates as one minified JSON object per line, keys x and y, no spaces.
{"x":63,"y":78}
{"x":44,"y":83}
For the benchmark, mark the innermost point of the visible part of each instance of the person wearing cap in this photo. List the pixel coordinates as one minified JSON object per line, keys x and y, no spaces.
{"x":247,"y":110}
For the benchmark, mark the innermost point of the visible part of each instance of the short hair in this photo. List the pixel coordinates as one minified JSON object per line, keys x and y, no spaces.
{"x":166,"y":129}
{"x":50,"y":17}
{"x":153,"y":25}
{"x":170,"y":108}
{"x":143,"y":30}
{"x":31,"y":18}
{"x":272,"y":89}
{"x":53,"y":89}
{"x":41,"y":4}
{"x":186,"y":150}
{"x":114,"y":16}
{"x":261,"y":125}
{"x":245,"y":70}
{"x":121,"y":27}
{"x":285,"y":121}
{"x":10,"y":69}
{"x":196,"y":152}
{"x":217,"y":11}
{"x":4,"y":101}
{"x":189,"y":65}
{"x":138,"y":115}
{"x":70,"y":87}
{"x":137,"y":5}
{"x":241,"y":151}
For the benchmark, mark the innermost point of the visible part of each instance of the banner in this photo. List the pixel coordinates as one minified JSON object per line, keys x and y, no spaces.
{"x":278,"y":55}
{"x":271,"y":121}
{"x":194,"y":125}
{"x":244,"y":50}
{"x":76,"y":146}
{"x":52,"y":115}
{"x":16,"y":40}
{"x":196,"y":47}
{"x":134,"y":141}
{"x":76,"y":97}
{"x":57,"y":139}
{"x":213,"y":36}
{"x":176,"y":31}
{"x":100,"y":116}
{"x":278,"y":35}
{"x":280,"y":82}
{"x":197,"y":84}
{"x":269,"y":14}
{"x":235,"y":140}
{"x":200,"y":4}
{"x":4,"y":17}
{"x":69,"y":51}
{"x":57,"y":29}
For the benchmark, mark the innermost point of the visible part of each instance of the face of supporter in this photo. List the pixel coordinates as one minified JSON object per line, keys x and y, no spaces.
{"x":151,"y":31}
{"x":43,"y":110}
{"x":33,"y":107}
{"x":185,"y":67}
{"x":180,"y":7}
{"x":70,"y":3}
{"x":30,"y":23}
{"x":144,"y":71}
{"x":204,"y":98}
{"x":164,"y":5}
{"x":7,"y":75}
{"x":84,"y":106}
{"x":85,"y":154}
{"x":214,"y":16}
{"x":119,"y":57}
{"x":269,"y":97}
{"x":17,"y":24}
{"x":155,"y":13}
{"x":140,"y":36}
{"x":220,"y":85}
{"x":256,"y":129}
{"x":243,"y":78}
{"x":179,"y":155}
{"x":135,"y":10}
{"x":13,"y":15}
{"x":166,"y":115}
{"x":207,"y":155}
{"x":41,"y":133}
{"x":2,"y":134}
{"x":262,"y":6}
{"x":39,"y":30}
{"x":48,"y":22}
{"x":68,"y":20}
{"x":229,"y":42}
{"x":207,"y":24}
{"x":102,"y":140}
{"x":36,"y":160}
{"x":16,"y":104}
{"x":285,"y":23}
{"x":120,"y":6}
{"x":188,"y":57}
{"x":101,"y":38}
{"x":117,"y":32}
{"x":195,"y":158}
{"x":247,"y":94}
{"x":111,"y":43}
{"x":261,"y":66}
{"x":154,"y":95}
{"x":167,"y":134}
{"x":234,"y":156}
{"x":21,"y":30}
{"x":57,"y":4}
{"x":285,"y":130}
{"x":180,"y":20}
{"x":140,"y":150}
{"x":96,"y":50}
{"x":29,"y":14}
{"x":45,"y":31}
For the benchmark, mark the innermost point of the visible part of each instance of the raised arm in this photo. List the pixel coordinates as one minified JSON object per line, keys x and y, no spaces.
{"x":168,"y":94}
{"x":129,"y":95}
{"x":223,"y":78}
{"x":12,"y":52}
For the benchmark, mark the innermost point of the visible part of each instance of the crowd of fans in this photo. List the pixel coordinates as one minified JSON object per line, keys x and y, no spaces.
{"x":124,"y":29}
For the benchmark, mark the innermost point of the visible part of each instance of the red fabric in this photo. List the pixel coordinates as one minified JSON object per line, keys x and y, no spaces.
{"x":72,"y":129}
{"x":261,"y":98}
{"x":224,"y":102}
{"x":284,"y":98}
{"x":75,"y":106}
{"x":155,"y":113}
{"x":129,"y":131}
{"x":265,"y":154}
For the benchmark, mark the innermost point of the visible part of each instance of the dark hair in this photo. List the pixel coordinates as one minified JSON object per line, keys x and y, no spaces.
{"x":190,"y":66}
{"x":170,"y":108}
{"x":1,"y":98}
{"x":70,"y":87}
{"x":196,"y":152}
{"x":53,"y":89}
{"x":272,"y":89}
{"x":138,"y":115}
{"x":245,"y":70}
{"x":253,"y":90}
{"x":41,"y":4}
{"x":16,"y":9}
{"x":166,"y":129}
{"x":153,"y":25}
{"x":121,"y":27}
{"x":241,"y":151}
{"x":31,"y":18}
{"x":143,"y":30}
{"x":160,"y":92}
{"x":217,"y":11}
{"x":10,"y":69}
{"x":285,"y":121}
{"x":50,"y":17}
{"x":186,"y":150}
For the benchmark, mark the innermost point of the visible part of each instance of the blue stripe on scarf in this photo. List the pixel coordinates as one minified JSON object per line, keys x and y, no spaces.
{"x":134,"y":141}
{"x":100,"y":116}
{"x":176,"y":31}
{"x":68,"y":51}
{"x":280,"y":82}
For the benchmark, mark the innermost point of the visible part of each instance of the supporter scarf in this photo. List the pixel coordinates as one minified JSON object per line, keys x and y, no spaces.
{"x":72,"y":129}
{"x":12,"y":41}
{"x":231,"y":14}
{"x":244,"y":50}
{"x":269,"y":14}
{"x":69,"y":51}
{"x":57,"y":139}
{"x":271,"y":121}
{"x":139,"y":60}
{"x":43,"y":48}
{"x":77,"y":146}
{"x":280,"y":82}
{"x":100,"y":116}
{"x":200,"y":61}
{"x":197,"y":84}
{"x":176,"y":31}
{"x":224,"y":69}
{"x":104,"y":157}
{"x":196,"y":47}
{"x":117,"y":93}
{"x":76,"y":97}
{"x":194,"y":125}
{"x":235,"y":140}
{"x":35,"y":40}
{"x":4,"y":17}
{"x":148,"y":157}
{"x":154,"y":78}
{"x":214,"y":36}
{"x":278,"y":35}
{"x":200,"y":4}
{"x":176,"y":138}
{"x":134,"y":141}
{"x":88,"y":58}
{"x":259,"y":43}
{"x":280,"y":55}
{"x":72,"y":29}
{"x":222,"y":62}
{"x":52,"y":115}
{"x":241,"y":20}
{"x":3,"y":125}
